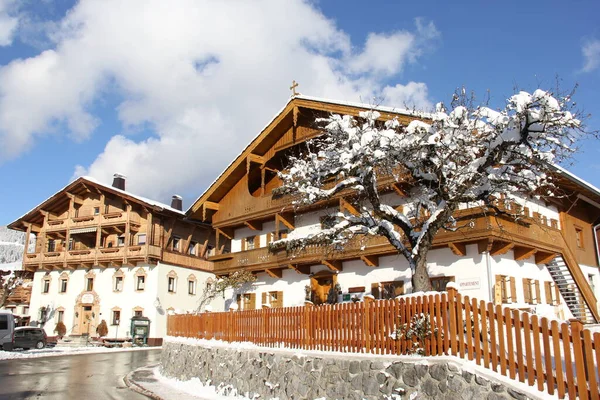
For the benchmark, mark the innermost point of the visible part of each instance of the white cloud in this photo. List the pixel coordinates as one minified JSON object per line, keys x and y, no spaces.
{"x":591,"y":55}
{"x":205,"y":76}
{"x":8,"y":22}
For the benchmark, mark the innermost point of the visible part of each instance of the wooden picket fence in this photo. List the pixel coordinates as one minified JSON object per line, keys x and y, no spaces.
{"x":557,"y":358}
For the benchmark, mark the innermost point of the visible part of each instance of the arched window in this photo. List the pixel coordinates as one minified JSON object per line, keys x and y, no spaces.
{"x":172,"y":282}
{"x":140,"y":280}
{"x":118,"y":280}
{"x":46,"y":283}
{"x":89,"y":280}
{"x":192,"y":283}
{"x":63,"y":281}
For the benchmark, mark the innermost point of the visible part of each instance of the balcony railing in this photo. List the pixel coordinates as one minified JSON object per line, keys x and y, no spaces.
{"x":113,"y":218}
{"x":185,"y":260}
{"x":472,"y":223}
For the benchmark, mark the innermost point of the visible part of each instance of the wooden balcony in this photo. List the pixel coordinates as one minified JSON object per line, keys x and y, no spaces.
{"x":474,"y":227}
{"x":90,"y":257}
{"x":185,"y":260}
{"x":91,"y":220}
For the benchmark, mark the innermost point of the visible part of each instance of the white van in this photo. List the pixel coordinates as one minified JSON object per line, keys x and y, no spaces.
{"x":7,"y":329}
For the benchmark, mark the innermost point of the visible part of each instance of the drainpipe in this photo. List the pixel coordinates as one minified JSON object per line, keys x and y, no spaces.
{"x":488,"y":263}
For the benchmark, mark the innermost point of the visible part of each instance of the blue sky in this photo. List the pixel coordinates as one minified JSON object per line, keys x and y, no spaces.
{"x":169,"y":92}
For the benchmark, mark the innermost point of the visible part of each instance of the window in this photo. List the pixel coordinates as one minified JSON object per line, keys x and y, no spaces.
{"x":531,"y":291}
{"x":171,"y":285}
{"x":250,"y":243}
{"x":3,"y":322}
{"x":121,"y":241}
{"x":505,"y":290}
{"x":439,"y":283}
{"x":176,"y":243}
{"x":61,"y":316}
{"x":118,"y":283}
{"x":89,"y":286}
{"x":579,"y":237}
{"x":591,"y":281}
{"x":273,"y":299}
{"x":141,"y":239}
{"x":46,"y":284}
{"x":51,"y":245}
{"x":192,"y":250}
{"x":116,"y":317}
{"x":552,"y":293}
{"x":191,"y":287}
{"x":138,"y":313}
{"x":96,"y":210}
{"x":63,"y":285}
{"x":387,"y":290}
{"x":246,"y":301}
{"x":140,"y":279}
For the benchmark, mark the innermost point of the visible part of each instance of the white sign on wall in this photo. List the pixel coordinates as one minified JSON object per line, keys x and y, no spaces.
{"x":87,"y":298}
{"x":469,"y":283}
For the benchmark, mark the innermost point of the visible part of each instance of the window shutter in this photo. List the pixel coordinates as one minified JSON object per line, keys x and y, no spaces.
{"x":243,"y":240}
{"x":548,"y":292}
{"x":256,"y":241}
{"x":280,"y":299}
{"x":498,"y":289}
{"x":239,"y":301}
{"x":252,"y":305}
{"x":527,"y":290}
{"x":538,"y":295}
{"x":264,"y":298}
{"x":375,"y":290}
{"x":557,"y":295}
{"x":269,"y":238}
{"x":513,"y":290}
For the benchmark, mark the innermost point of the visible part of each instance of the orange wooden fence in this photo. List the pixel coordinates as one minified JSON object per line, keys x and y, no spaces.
{"x":557,"y":358}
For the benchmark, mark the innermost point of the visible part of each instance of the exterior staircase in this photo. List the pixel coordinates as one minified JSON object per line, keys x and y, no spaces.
{"x":73,"y":341}
{"x":570,"y":290}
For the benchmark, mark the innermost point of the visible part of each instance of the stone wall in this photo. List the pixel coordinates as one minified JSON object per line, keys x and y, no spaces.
{"x":310,"y":375}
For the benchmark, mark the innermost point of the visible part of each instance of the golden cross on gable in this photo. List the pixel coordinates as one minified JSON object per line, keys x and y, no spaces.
{"x":293,"y":88}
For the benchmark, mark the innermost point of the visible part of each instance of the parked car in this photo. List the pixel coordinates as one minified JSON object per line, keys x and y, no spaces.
{"x":28,"y":337}
{"x":7,"y":328}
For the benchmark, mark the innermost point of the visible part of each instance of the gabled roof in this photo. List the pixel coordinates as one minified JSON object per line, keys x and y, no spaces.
{"x":58,"y":199}
{"x":273,"y":131}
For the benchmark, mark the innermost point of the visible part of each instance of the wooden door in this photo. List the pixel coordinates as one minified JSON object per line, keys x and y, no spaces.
{"x":86,"y":320}
{"x":321,"y":285}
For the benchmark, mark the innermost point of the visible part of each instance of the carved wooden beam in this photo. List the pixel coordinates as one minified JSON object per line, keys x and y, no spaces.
{"x":103,"y":264}
{"x":204,"y":249}
{"x":209,"y":205}
{"x":523,"y":253}
{"x":286,"y":218}
{"x":253,"y":158}
{"x":544,"y":257}
{"x":499,"y":248}
{"x":334,"y":265}
{"x":460,"y":249}
{"x":274,"y":273}
{"x":254,"y":225}
{"x":370,"y":261}
{"x":227,"y":232}
{"x":346,"y":206}
{"x":301,"y":269}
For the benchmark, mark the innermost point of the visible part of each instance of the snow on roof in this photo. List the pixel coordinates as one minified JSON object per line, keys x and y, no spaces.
{"x":124,"y":192}
{"x":577,"y":179}
{"x":135,"y":196}
{"x":386,"y":109}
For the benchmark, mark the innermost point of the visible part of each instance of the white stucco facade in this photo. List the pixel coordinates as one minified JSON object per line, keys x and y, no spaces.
{"x":150,"y":298}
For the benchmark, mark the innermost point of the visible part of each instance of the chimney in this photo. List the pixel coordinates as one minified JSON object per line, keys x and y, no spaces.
{"x":119,"y":181}
{"x":177,"y":202}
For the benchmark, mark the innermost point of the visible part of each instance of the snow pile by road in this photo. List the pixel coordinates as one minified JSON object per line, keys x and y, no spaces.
{"x":64,"y":351}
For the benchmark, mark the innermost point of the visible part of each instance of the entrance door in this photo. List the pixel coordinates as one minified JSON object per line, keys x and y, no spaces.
{"x":86,"y":320}
{"x":321,"y":283}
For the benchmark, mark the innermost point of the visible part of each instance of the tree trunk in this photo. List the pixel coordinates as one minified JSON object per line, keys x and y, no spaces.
{"x":420,"y":279}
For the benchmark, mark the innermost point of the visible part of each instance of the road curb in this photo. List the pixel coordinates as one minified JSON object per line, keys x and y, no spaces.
{"x":136,"y":386}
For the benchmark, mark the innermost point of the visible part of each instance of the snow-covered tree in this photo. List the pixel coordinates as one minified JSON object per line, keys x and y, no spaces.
{"x":9,"y":282}
{"x":213,"y":288}
{"x":443,"y":160}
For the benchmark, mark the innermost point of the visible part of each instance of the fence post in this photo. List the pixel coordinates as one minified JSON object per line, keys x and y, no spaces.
{"x":452,"y":310}
{"x":576,"y":328}
{"x":367,"y":322}
{"x":307,"y":326}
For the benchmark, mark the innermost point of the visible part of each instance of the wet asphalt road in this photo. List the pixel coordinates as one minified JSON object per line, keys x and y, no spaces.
{"x":86,"y":377}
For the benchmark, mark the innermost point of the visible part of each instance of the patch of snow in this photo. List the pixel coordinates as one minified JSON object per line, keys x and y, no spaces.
{"x":64,"y":351}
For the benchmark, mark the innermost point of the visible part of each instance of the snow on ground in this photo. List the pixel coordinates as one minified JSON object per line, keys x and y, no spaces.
{"x":12,"y":266}
{"x":64,"y":351}
{"x":194,"y":387}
